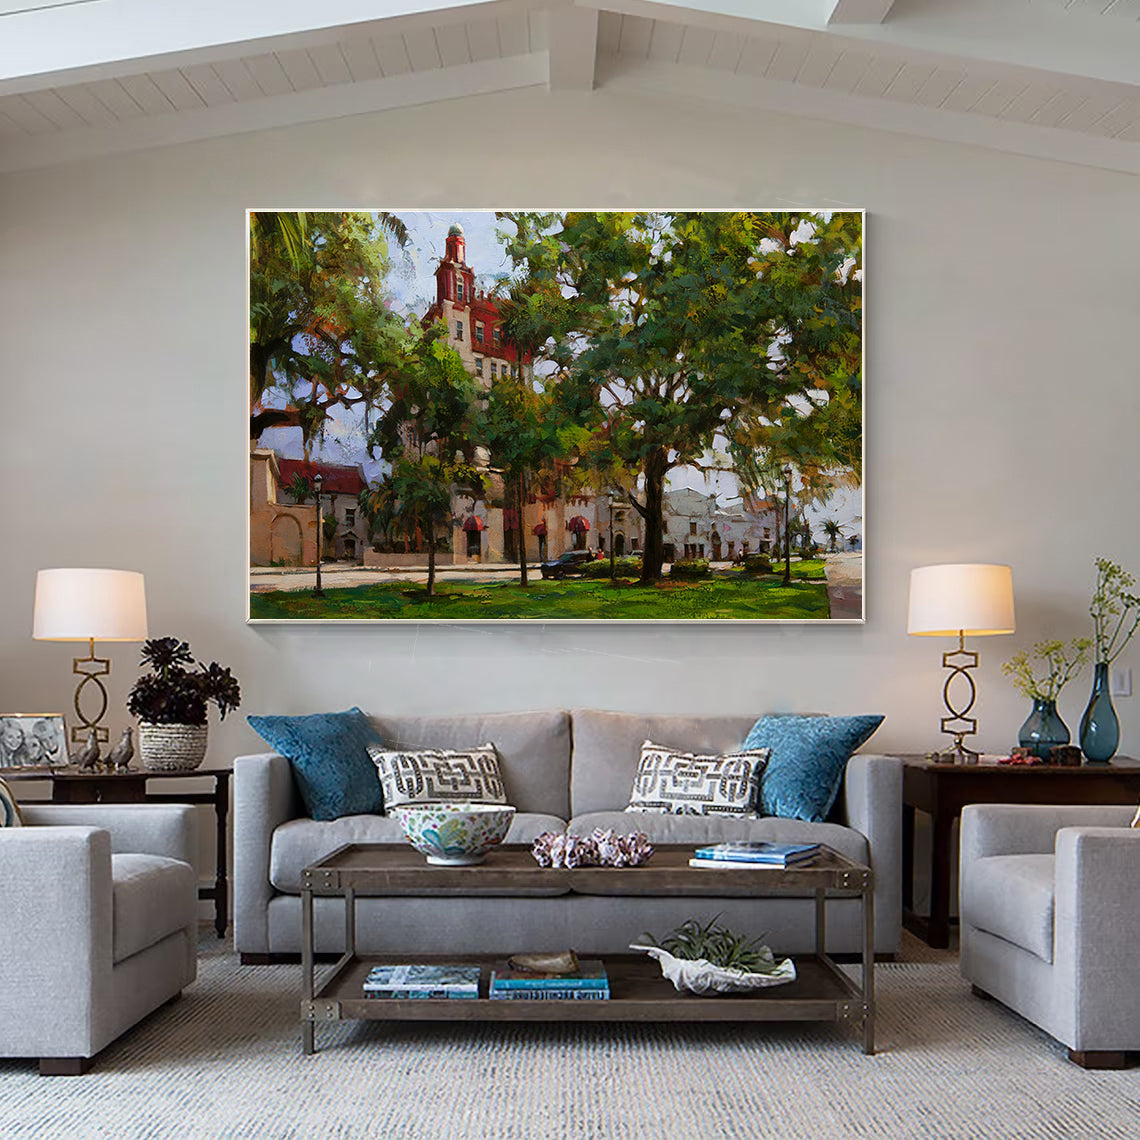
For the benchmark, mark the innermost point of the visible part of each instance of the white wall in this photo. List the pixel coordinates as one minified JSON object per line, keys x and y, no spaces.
{"x":1001,"y":405}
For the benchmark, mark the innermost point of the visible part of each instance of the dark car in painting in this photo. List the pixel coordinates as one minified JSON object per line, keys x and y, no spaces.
{"x":572,"y":562}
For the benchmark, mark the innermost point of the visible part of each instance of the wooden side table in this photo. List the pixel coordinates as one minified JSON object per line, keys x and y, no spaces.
{"x":942,"y":790}
{"x":77,"y":786}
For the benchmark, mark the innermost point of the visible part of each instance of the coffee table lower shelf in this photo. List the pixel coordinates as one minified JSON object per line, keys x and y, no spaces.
{"x":821,"y":992}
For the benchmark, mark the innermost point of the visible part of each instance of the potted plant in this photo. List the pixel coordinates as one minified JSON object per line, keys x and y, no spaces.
{"x":171,"y":702}
{"x":1044,"y":728}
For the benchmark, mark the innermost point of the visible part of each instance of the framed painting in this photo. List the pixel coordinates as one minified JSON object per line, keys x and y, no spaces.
{"x":542,"y":415}
{"x":33,"y":740}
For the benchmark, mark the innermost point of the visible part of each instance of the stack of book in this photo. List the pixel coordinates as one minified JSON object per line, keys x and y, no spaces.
{"x":588,"y":983}
{"x":416,"y":981}
{"x":755,"y":854}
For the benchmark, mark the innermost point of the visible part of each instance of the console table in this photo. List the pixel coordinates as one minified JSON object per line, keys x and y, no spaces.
{"x":79,"y":786}
{"x":821,"y":991}
{"x":942,"y":790}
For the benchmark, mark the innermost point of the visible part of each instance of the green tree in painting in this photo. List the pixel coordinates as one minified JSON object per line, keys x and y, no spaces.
{"x":426,"y":433}
{"x":690,"y":330}
{"x":833,"y":530}
{"x":321,"y":333}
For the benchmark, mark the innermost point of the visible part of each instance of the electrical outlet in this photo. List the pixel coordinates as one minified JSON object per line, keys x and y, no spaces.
{"x":1120,"y":681}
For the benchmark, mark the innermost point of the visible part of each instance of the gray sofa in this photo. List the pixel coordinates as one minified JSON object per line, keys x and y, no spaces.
{"x":561,"y":769}
{"x":98,"y":925}
{"x":1050,"y":924}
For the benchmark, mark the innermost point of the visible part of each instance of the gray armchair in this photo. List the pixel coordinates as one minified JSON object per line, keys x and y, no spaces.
{"x":1049,"y":921}
{"x":99,"y":928}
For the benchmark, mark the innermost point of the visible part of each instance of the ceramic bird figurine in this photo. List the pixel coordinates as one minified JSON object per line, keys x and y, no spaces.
{"x":120,"y":756}
{"x":88,"y":756}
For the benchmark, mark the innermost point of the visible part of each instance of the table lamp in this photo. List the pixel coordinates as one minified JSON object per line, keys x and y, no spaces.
{"x":959,"y":600}
{"x":90,"y":605}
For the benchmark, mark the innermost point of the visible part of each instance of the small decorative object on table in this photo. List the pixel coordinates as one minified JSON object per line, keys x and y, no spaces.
{"x":1065,"y":755}
{"x":87,"y":757}
{"x":454,"y":835}
{"x":120,"y":756}
{"x":598,"y":849}
{"x":1044,"y":728}
{"x":171,"y":702}
{"x":711,"y":959}
{"x":1024,"y":756}
{"x":1115,"y":611}
{"x":756,"y":854}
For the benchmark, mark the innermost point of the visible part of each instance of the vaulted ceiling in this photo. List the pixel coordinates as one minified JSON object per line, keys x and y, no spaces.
{"x":1055,"y":78}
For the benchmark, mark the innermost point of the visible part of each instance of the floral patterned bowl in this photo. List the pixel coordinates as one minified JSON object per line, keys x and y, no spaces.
{"x":454,"y":835}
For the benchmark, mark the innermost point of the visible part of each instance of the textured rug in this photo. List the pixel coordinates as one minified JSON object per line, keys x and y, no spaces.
{"x":225,"y":1061}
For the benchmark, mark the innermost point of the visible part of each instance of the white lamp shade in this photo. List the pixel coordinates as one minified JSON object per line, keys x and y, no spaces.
{"x":81,"y":605}
{"x":970,"y":598}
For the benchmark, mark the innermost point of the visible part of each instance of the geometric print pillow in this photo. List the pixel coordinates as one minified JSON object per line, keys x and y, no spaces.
{"x":9,"y":809}
{"x":434,"y":775}
{"x":684,"y":783}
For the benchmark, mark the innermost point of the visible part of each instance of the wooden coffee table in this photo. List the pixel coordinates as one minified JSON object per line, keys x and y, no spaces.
{"x":821,"y":991}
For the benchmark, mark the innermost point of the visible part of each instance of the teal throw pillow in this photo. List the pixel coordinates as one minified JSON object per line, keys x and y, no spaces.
{"x":809,"y":755}
{"x":329,"y":756}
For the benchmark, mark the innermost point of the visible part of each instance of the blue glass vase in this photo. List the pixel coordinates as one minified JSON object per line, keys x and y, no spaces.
{"x":1043,"y":729}
{"x":1100,"y":730}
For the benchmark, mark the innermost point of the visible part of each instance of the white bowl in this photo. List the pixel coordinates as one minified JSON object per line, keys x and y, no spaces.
{"x":454,"y":835}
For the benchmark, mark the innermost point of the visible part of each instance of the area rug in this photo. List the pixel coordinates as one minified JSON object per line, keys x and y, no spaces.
{"x":226,"y":1061}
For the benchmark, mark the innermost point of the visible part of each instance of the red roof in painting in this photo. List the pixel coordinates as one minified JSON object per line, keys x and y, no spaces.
{"x":338,"y":480}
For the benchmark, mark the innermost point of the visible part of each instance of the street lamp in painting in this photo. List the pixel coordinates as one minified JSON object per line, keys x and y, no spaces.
{"x":318,"y":486}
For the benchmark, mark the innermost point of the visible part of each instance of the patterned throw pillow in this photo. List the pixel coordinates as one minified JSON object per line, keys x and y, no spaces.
{"x":439,"y":775}
{"x":9,"y":809}
{"x":809,"y":757}
{"x":685,"y":783}
{"x":327,"y":754}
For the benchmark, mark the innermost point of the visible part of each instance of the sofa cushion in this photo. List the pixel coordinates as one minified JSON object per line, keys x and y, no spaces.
{"x":433,"y":775}
{"x":329,"y":758}
{"x":533,"y":749}
{"x":607,"y":750}
{"x":701,"y":830}
{"x":809,"y":756}
{"x":688,"y":783}
{"x":152,"y":897}
{"x":301,"y":842}
{"x":1011,"y":896}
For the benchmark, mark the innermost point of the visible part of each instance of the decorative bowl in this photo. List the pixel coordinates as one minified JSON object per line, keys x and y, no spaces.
{"x":696,"y":976}
{"x":454,"y":835}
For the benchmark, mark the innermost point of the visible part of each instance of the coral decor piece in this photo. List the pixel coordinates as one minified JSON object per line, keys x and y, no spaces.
{"x":598,"y":849}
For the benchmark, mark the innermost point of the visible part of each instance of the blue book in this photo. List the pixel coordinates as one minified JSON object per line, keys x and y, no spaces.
{"x":590,"y":975}
{"x":760,"y":852}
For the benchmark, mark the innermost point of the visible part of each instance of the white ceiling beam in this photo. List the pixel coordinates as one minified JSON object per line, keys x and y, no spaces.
{"x":1041,"y":36}
{"x":860,"y":11}
{"x":316,"y":105}
{"x":47,"y":44}
{"x":573,"y":48}
{"x":685,"y":83}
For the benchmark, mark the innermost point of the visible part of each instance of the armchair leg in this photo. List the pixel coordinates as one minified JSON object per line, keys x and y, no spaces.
{"x":1096,"y":1059}
{"x":65,"y":1066}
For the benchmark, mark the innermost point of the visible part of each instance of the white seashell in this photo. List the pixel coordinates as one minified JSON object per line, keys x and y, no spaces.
{"x":698,"y":976}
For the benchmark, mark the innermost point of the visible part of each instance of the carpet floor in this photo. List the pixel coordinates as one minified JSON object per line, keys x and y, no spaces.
{"x":225,"y":1061}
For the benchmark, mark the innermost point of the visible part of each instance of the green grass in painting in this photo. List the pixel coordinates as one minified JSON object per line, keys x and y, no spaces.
{"x":717,"y":597}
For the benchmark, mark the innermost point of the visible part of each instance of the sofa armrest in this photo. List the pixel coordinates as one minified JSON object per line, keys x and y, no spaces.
{"x":56,"y":899}
{"x":144,"y":829}
{"x":1027,"y":829}
{"x":264,"y":798}
{"x":872,"y":800}
{"x":1096,"y":930}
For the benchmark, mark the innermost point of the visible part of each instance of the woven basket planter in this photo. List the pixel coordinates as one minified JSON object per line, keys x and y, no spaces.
{"x":172,"y":747}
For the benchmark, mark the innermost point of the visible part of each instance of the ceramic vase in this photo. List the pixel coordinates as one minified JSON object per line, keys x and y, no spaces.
{"x":1043,"y":729}
{"x":1100,"y":730}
